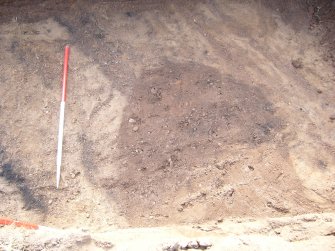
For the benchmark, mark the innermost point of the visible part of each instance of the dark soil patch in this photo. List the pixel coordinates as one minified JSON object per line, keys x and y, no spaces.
{"x":183,"y":114}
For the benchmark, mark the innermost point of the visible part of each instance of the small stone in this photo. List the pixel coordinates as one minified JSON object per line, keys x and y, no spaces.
{"x":50,"y":202}
{"x":135,"y":128}
{"x":319,"y":91}
{"x":174,"y":247}
{"x":251,"y":168}
{"x":132,"y":121}
{"x":297,"y":63}
{"x":193,"y":244}
{"x":88,"y":215}
{"x":309,"y":218}
{"x":204,"y":244}
{"x":104,"y":244}
{"x":328,"y":219}
{"x":332,"y":117}
{"x":228,"y":191}
{"x":183,"y":245}
{"x":277,"y":207}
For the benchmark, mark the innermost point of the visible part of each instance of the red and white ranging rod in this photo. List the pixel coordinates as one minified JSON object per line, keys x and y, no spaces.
{"x":61,"y":115}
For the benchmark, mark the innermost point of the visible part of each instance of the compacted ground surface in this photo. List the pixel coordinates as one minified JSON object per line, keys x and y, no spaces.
{"x":178,"y":112}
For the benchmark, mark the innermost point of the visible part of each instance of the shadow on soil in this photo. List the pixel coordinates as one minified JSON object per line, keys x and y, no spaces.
{"x":31,"y":200}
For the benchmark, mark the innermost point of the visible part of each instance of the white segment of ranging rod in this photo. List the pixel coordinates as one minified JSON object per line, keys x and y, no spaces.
{"x":60,"y":140}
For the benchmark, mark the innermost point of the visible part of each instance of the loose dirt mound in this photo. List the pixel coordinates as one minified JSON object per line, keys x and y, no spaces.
{"x":178,"y":111}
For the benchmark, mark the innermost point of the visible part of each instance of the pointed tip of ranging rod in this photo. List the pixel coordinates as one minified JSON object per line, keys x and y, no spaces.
{"x":58,"y":179}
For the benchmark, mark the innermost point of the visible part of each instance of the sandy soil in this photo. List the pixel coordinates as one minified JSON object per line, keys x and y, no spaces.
{"x":177,"y":112}
{"x":304,"y":232}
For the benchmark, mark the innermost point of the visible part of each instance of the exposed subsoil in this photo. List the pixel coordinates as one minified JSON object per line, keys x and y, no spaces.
{"x":177,"y":111}
{"x":297,"y":233}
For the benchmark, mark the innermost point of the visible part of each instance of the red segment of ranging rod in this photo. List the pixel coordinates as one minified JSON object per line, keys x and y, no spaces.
{"x":61,"y":115}
{"x":65,"y":70}
{"x":4,"y":221}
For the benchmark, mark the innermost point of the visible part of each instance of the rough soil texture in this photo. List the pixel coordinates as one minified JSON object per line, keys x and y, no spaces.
{"x":177,"y":112}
